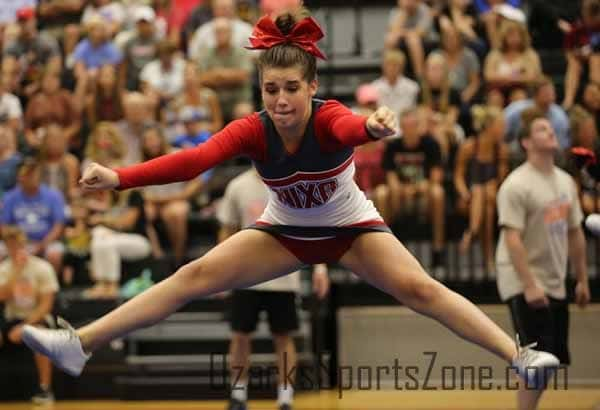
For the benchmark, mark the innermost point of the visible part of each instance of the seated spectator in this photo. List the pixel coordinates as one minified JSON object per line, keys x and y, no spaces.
{"x":118,"y":234}
{"x":583,"y":54}
{"x":169,"y":203}
{"x":514,"y":66}
{"x":52,"y":104}
{"x":463,"y":65}
{"x":60,"y":169}
{"x":490,"y":13}
{"x":28,"y":287}
{"x":205,"y":36}
{"x":227,"y":69}
{"x":395,"y":91}
{"x":140,"y":49}
{"x":196,"y":128}
{"x":481,"y":165}
{"x":138,"y":114}
{"x":111,"y":11}
{"x":104,"y":103}
{"x":162,"y":79}
{"x":42,"y":51}
{"x":441,"y":101}
{"x":462,"y":15}
{"x":95,"y":51}
{"x":411,"y":28}
{"x":11,"y":112}
{"x":105,"y":146}
{"x":194,"y":95}
{"x":544,"y":99}
{"x":414,"y":174}
{"x":39,"y":211}
{"x":10,"y":160}
{"x":585,"y":134}
{"x":60,"y":19}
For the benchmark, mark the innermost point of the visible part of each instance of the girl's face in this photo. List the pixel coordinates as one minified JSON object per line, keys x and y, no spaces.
{"x":103,"y":140}
{"x":152,"y":143}
{"x":287,"y":98}
{"x":513,"y":39}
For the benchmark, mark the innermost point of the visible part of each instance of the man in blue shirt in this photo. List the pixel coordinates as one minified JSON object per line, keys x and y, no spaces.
{"x":544,"y":98}
{"x":96,"y":50}
{"x":39,"y":211}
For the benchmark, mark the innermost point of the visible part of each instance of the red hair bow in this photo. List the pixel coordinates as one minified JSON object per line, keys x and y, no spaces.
{"x":305,"y":35}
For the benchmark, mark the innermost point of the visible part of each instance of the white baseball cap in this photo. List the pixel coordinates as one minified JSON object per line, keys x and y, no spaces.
{"x":144,"y":13}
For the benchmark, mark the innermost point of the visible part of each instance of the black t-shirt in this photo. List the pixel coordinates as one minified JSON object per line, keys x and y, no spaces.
{"x":436,"y":95}
{"x":412,"y":164}
{"x":136,"y":200}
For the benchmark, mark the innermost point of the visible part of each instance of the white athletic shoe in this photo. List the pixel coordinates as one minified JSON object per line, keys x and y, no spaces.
{"x":62,"y":346}
{"x":534,"y":366}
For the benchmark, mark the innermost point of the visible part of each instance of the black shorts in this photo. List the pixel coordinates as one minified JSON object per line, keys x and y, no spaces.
{"x":548,"y":326}
{"x":246,"y":304}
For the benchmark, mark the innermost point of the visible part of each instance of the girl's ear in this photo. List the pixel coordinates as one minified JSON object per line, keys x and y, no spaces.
{"x":313,"y":87}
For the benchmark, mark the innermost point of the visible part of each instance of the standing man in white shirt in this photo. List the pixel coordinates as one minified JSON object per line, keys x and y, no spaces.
{"x":540,"y":217}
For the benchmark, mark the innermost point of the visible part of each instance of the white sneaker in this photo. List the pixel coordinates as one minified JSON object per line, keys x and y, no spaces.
{"x":534,"y":366}
{"x":62,"y":346}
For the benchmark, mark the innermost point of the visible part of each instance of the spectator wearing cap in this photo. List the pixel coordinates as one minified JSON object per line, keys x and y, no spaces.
{"x":140,"y":49}
{"x":492,"y":12}
{"x":60,"y":19}
{"x":227,"y":69}
{"x":196,"y":122}
{"x":39,"y":211}
{"x":28,"y":55}
{"x":95,"y":51}
{"x":206,"y":35}
{"x":395,"y":91}
{"x":162,"y":79}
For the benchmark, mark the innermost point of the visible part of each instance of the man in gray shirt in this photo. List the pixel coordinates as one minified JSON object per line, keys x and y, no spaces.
{"x":540,"y":216}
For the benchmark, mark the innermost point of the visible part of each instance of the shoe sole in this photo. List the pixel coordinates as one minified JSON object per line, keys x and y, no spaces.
{"x":33,"y":344}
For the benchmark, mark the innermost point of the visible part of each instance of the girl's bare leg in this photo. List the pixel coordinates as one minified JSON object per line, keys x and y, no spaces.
{"x":244,"y":259}
{"x":384,"y":262}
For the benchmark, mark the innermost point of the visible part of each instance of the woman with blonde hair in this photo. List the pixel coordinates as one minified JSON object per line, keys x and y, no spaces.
{"x":514,"y":65}
{"x":105,"y":146}
{"x":481,"y":165}
{"x":440,"y":100}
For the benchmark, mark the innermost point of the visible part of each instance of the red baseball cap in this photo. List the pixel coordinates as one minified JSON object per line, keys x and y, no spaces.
{"x":25,"y":13}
